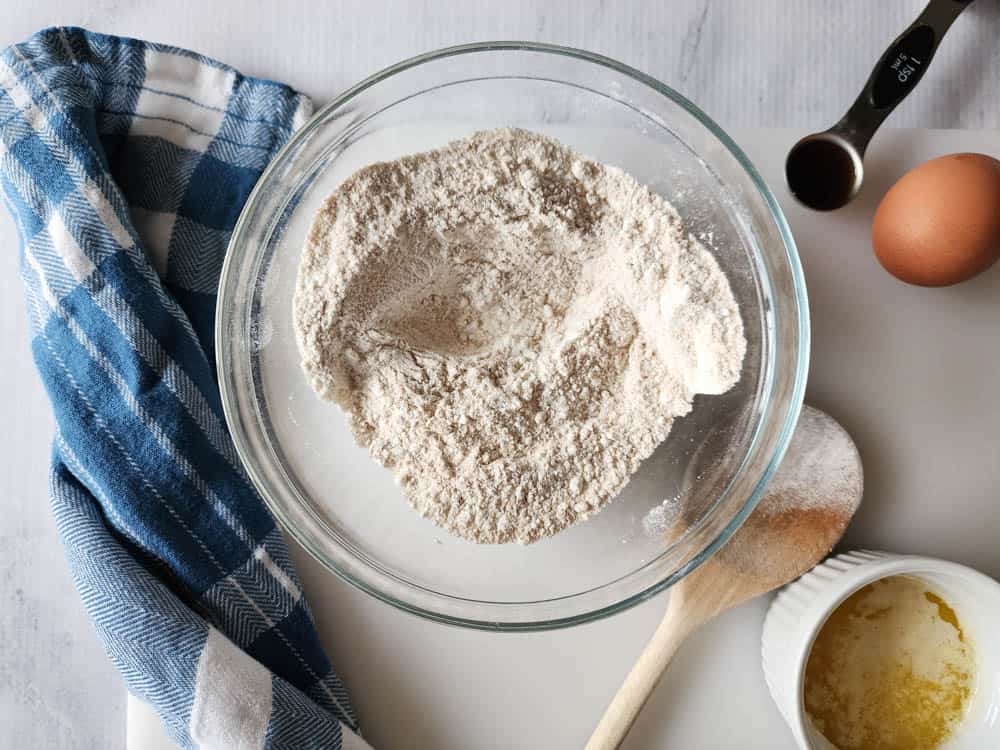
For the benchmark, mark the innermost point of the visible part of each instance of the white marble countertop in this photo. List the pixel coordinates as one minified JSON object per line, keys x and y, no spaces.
{"x":768,"y":63}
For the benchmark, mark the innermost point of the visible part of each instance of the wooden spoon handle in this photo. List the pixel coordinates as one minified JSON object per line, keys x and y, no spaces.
{"x":635,"y":691}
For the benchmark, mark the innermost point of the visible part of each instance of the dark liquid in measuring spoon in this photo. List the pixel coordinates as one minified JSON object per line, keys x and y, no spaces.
{"x":821,"y":174}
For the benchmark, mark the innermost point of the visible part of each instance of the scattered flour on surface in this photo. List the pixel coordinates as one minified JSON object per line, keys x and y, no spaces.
{"x":660,"y":519}
{"x":510,"y":327}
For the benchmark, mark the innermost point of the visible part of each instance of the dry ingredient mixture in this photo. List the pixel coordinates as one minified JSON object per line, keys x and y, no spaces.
{"x":891,"y":669}
{"x":510,"y":327}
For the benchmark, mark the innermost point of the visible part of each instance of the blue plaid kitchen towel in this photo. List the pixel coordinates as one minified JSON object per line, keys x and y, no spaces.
{"x":125,"y":165}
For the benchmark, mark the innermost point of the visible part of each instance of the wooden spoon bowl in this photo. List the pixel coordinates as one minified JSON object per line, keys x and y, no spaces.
{"x":802,"y":515}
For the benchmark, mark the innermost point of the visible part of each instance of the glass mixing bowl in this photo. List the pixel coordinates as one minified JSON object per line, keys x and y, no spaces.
{"x":346,"y":510}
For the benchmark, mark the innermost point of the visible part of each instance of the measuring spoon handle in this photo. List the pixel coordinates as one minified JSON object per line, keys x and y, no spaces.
{"x":898,"y":72}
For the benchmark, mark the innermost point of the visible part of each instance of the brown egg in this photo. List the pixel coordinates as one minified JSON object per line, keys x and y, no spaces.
{"x":940,"y":224}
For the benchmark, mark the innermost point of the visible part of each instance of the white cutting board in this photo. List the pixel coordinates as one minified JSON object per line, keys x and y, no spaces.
{"x":913,"y":374}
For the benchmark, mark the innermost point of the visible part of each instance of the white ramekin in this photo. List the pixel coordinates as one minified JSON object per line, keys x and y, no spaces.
{"x":801,"y":609}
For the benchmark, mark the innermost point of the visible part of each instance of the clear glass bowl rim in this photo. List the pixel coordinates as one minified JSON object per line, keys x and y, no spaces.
{"x":229,"y":401}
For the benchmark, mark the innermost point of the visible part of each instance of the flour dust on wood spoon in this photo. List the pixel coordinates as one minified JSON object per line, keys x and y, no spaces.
{"x":803,"y":514}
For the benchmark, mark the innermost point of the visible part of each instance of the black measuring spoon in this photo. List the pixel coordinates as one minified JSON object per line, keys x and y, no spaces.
{"x":825,"y":170}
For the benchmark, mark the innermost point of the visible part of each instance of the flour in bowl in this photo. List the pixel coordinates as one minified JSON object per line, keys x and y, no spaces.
{"x":510,"y":327}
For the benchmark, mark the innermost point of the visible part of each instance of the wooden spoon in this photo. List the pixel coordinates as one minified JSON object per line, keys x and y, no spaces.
{"x":802,"y":515}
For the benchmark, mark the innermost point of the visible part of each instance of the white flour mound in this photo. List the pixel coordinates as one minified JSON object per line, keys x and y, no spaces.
{"x":510,"y":327}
